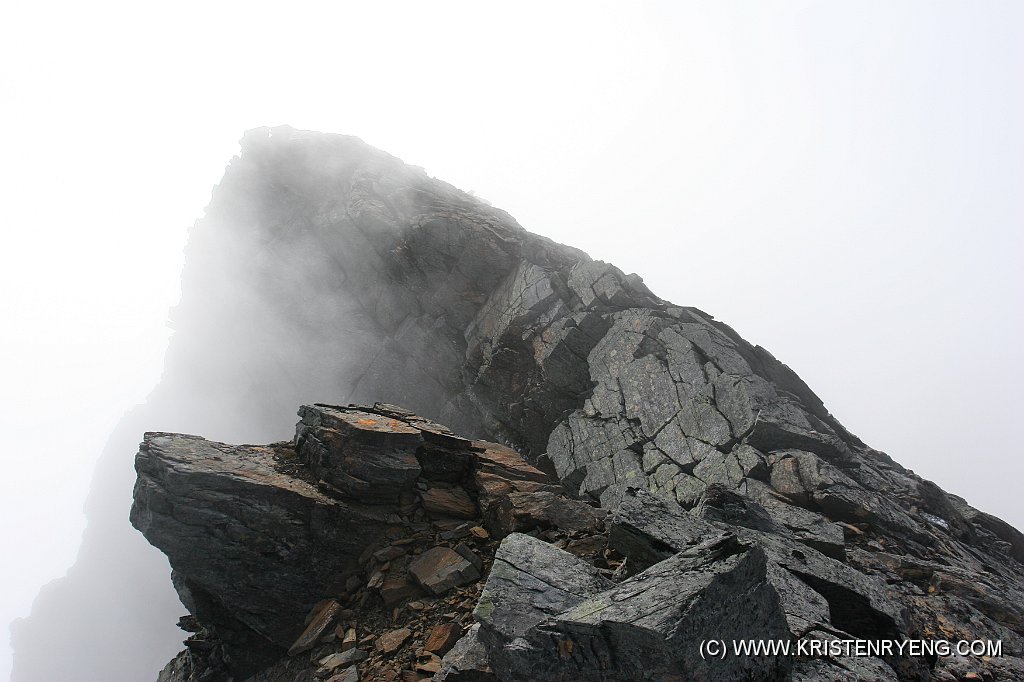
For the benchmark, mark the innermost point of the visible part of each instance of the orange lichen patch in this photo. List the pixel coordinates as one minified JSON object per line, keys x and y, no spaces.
{"x":366,"y":422}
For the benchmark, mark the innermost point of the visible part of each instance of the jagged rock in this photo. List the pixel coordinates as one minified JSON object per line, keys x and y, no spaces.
{"x":259,"y":535}
{"x":440,"y":569}
{"x":211,"y":506}
{"x":721,"y":504}
{"x":320,"y":619}
{"x":529,"y":581}
{"x":816,"y":592}
{"x":442,"y":638}
{"x":390,"y":641}
{"x":334,"y":661}
{"x":454,"y":502}
{"x":397,"y":589}
{"x":448,"y":307}
{"x":545,"y":615}
{"x":469,"y":555}
{"x":519,"y":511}
{"x":347,"y":637}
{"x":347,"y":675}
{"x":367,"y":456}
{"x":467,"y":662}
{"x":177,"y":669}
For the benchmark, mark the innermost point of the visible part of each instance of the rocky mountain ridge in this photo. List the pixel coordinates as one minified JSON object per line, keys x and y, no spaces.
{"x":715,"y":460}
{"x":325,"y":269}
{"x":379,"y":545}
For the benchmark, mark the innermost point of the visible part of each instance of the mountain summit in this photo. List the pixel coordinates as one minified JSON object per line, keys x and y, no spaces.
{"x":603,"y":478}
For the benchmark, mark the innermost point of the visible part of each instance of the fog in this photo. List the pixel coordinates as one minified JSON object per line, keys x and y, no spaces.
{"x":840,"y":183}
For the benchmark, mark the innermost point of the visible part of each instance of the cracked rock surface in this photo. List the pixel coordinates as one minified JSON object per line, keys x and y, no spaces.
{"x":297,"y":557}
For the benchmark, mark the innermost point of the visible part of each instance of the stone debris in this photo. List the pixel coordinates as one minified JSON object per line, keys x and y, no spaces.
{"x":441,"y":568}
{"x":453,"y":502}
{"x":405,"y":582}
{"x":390,"y":641}
{"x":320,"y":618}
{"x":344,"y":658}
{"x":442,"y":638}
{"x":347,"y":637}
{"x":347,"y":675}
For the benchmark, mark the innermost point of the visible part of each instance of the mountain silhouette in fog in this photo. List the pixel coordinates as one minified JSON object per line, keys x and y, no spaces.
{"x":325,"y":271}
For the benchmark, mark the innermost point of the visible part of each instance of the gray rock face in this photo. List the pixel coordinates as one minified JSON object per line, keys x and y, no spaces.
{"x":440,"y":569}
{"x":241,"y":535}
{"x":544,"y":615}
{"x":468,"y":661}
{"x":343,"y":273}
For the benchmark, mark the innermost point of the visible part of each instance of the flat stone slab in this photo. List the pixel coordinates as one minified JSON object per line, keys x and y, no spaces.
{"x":440,"y":569}
{"x":322,"y":618}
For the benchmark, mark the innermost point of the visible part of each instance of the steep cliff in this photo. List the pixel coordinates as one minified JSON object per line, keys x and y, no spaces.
{"x":327,"y":270}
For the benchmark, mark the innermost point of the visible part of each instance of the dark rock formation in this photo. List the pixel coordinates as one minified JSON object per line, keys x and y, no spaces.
{"x":326,"y":268}
{"x":545,"y":615}
{"x":339,"y":523}
{"x":296,"y":561}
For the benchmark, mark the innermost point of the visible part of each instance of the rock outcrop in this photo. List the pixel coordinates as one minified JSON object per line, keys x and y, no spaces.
{"x":325,"y":269}
{"x":335,"y":542}
{"x":330,"y":557}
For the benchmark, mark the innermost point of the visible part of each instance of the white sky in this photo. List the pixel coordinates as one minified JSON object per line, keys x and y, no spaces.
{"x":841,"y":182}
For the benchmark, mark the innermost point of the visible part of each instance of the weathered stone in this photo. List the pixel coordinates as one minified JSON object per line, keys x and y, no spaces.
{"x":469,"y":555}
{"x":440,"y":569}
{"x":298,"y":575}
{"x":454,"y":502}
{"x":347,"y":675}
{"x":479,"y":533}
{"x":467,"y":661}
{"x":531,"y":580}
{"x":344,"y":658}
{"x":391,"y":641}
{"x":442,"y":638}
{"x":518,"y":511}
{"x":388,"y":553}
{"x":814,"y":590}
{"x":211,"y":507}
{"x":367,"y":456}
{"x":444,"y":464}
{"x":320,"y":619}
{"x":347,"y":637}
{"x":504,"y":462}
{"x":397,"y":589}
{"x":649,"y":627}
{"x":431,"y":665}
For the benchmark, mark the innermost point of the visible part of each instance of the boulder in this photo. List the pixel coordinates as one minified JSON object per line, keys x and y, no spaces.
{"x":577,"y":626}
{"x":440,"y":569}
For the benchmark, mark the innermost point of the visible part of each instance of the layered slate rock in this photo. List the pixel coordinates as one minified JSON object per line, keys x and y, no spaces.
{"x":347,"y":273}
{"x":274,"y":547}
{"x":545,"y":615}
{"x":818,"y":595}
{"x":241,"y":535}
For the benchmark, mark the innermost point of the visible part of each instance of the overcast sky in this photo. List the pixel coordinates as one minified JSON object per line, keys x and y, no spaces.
{"x":840,"y":182}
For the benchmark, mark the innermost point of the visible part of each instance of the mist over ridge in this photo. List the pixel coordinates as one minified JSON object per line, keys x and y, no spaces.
{"x":325,"y":270}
